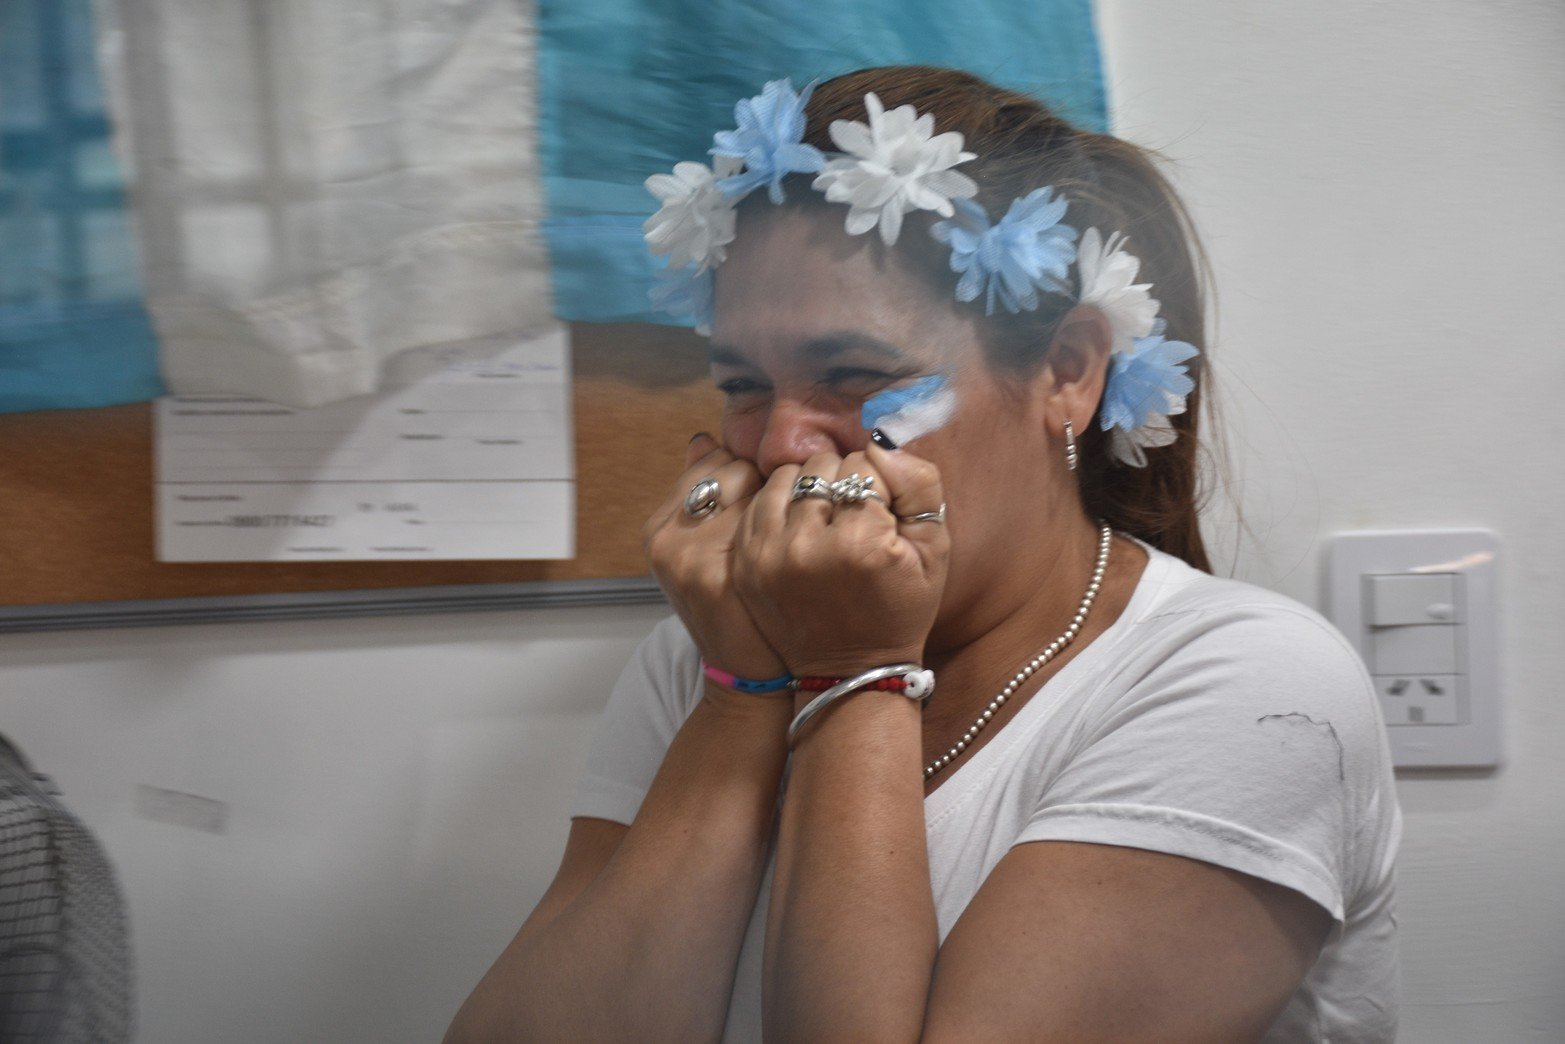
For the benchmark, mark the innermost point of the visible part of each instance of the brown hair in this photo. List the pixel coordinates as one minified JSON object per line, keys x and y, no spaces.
{"x":1111,"y":185}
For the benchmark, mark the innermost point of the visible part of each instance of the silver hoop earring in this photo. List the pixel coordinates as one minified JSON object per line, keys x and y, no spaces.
{"x":1071,"y":457}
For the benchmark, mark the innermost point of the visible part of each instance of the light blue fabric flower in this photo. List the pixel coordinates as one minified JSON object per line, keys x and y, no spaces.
{"x":1147,"y":384}
{"x":769,"y":140}
{"x":684,"y":294}
{"x":1028,"y":250}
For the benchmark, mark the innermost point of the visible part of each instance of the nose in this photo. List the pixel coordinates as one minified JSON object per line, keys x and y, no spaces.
{"x":795,"y":432}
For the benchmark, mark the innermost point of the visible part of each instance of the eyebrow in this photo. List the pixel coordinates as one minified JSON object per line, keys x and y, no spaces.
{"x":818,"y":349}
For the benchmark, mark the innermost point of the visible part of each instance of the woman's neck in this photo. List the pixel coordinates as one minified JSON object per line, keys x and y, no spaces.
{"x":1030,"y":604}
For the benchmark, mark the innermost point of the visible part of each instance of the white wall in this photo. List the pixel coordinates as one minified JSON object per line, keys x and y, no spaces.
{"x":396,"y":794}
{"x":1377,"y":184}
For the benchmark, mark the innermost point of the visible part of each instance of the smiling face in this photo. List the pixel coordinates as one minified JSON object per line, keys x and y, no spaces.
{"x":810,"y":322}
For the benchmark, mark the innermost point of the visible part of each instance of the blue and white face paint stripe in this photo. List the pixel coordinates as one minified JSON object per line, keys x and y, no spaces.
{"x":900,"y":415}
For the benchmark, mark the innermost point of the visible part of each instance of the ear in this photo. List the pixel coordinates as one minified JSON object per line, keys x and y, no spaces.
{"x":1076,"y":371}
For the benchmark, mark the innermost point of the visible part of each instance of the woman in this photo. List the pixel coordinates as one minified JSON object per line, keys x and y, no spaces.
{"x":1143,"y":803}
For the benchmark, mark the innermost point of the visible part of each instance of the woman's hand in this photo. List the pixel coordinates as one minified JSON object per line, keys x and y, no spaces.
{"x":691,"y":559}
{"x":840,"y":588}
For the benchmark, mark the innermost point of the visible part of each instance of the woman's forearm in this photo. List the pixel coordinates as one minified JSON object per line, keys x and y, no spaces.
{"x":851,"y":935}
{"x":648,"y":950}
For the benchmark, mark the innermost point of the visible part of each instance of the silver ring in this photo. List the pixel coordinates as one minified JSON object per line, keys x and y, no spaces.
{"x":938,"y":517}
{"x":810,"y":486}
{"x":855,"y":489}
{"x":868,"y":494}
{"x":702,"y":500}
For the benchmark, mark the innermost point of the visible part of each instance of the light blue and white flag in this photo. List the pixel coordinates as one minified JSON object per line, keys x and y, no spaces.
{"x":629,"y":87}
{"x":321,"y":184}
{"x":73,"y":332}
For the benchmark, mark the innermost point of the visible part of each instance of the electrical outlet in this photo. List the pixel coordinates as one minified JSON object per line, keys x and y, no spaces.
{"x":1420,"y":606}
{"x":1420,"y":699}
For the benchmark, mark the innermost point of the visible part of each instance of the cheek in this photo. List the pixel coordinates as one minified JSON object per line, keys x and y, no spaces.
{"x":985,"y":481}
{"x":988,"y":511}
{"x":743,"y":430}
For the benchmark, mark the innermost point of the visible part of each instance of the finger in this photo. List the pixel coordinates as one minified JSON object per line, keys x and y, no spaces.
{"x":737,"y":481}
{"x":913,"y":487}
{"x":703,"y":456}
{"x":768,"y":511}
{"x":708,"y":454}
{"x":814,"y":511}
{"x":872,"y":511}
{"x":912,"y":484}
{"x":700,"y":445}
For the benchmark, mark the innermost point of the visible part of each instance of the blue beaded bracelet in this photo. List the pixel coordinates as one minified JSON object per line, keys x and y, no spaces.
{"x":752,"y":685}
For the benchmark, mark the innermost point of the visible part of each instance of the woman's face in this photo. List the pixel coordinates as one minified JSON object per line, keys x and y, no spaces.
{"x":810,"y":322}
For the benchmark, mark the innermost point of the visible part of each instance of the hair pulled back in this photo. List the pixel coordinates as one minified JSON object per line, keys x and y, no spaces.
{"x":1111,"y":184}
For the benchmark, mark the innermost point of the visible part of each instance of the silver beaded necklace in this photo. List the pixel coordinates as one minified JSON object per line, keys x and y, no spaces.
{"x":1054,"y":649}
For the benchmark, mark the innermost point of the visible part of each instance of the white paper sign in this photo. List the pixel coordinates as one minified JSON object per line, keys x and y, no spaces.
{"x":466,"y":454}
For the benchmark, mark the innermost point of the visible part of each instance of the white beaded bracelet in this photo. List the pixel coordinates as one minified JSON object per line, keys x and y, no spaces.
{"x":920,"y":686}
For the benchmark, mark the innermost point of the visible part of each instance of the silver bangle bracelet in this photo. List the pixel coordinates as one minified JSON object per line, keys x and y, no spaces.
{"x":849,"y":685}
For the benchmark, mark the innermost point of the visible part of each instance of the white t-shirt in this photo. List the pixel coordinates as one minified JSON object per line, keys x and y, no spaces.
{"x":1214,"y":720}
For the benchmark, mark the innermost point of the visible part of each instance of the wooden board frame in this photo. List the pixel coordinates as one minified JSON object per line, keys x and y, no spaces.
{"x":76,"y":527}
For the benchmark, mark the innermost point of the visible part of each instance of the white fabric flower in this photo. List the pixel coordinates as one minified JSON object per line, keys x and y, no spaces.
{"x":896,"y":164}
{"x":696,"y":222}
{"x":1108,"y":282}
{"x":1157,"y":431}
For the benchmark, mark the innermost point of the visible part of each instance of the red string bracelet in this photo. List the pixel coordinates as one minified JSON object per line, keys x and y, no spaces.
{"x":821,"y":684}
{"x":909,"y":679}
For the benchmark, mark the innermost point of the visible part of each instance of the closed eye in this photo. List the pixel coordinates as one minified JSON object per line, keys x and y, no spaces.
{"x":741,"y":386}
{"x":863,"y":378}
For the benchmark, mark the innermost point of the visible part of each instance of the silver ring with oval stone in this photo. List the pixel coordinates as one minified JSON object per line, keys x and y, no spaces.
{"x":810,"y":486}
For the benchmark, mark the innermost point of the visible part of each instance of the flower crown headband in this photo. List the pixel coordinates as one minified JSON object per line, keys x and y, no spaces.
{"x":894,"y":165}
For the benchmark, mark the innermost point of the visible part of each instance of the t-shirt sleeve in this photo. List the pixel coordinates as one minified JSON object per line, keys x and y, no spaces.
{"x":653,"y":697}
{"x":1257,"y":746}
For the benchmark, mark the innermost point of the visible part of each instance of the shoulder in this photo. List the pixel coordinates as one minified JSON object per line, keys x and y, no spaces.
{"x":669,"y":666}
{"x":1195,"y":622}
{"x":1231,"y":724}
{"x":1185,"y":594}
{"x":654,"y":695}
{"x":670,"y":645}
{"x":658,"y":687}
{"x":1227,"y":673}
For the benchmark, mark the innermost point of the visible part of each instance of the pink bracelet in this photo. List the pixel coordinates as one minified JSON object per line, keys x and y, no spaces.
{"x":733,"y":681}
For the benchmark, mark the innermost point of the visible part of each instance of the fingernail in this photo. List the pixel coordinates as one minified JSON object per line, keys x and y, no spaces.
{"x":697,"y":435}
{"x":882,"y":440}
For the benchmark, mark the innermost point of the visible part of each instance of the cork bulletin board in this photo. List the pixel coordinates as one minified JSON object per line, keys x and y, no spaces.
{"x":76,"y":496}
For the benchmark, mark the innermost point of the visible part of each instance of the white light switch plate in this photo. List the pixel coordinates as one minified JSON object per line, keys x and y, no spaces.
{"x":1435,"y":719}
